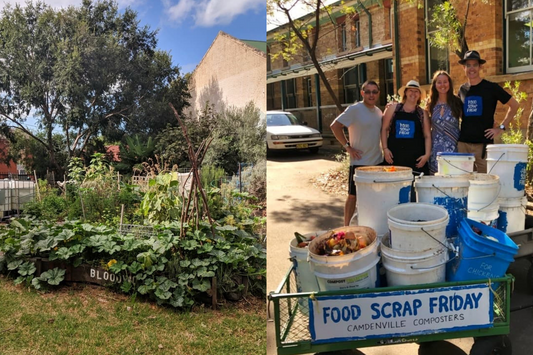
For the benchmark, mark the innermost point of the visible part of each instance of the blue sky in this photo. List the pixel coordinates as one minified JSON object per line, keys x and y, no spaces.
{"x":188,"y":27}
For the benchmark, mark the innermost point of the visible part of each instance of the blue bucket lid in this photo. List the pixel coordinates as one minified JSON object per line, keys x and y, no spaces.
{"x":455,"y":154}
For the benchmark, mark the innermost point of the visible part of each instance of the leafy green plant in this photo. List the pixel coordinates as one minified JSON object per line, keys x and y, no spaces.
{"x":514,"y":134}
{"x":162,"y":202}
{"x":164,"y":267}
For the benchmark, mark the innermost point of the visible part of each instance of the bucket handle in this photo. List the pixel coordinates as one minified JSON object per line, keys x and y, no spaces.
{"x":435,"y":239}
{"x":458,"y":168}
{"x":434,"y":266}
{"x":380,"y":181}
{"x":490,"y":203}
{"x":456,"y":255}
{"x":501,"y":156}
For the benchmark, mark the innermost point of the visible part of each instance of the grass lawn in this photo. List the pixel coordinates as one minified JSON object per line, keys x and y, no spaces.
{"x":89,"y":320}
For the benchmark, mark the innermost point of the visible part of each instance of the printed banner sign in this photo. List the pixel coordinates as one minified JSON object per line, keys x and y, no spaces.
{"x":400,"y":313}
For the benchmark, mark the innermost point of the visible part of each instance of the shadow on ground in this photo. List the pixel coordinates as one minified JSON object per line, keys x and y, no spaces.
{"x":318,"y":213}
{"x":431,"y":348}
{"x":301,"y":155}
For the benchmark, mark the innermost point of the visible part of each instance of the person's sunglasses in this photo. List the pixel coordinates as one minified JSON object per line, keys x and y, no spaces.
{"x":368,"y":92}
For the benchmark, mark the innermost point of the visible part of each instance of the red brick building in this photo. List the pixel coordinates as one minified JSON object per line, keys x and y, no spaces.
{"x":387,"y":41}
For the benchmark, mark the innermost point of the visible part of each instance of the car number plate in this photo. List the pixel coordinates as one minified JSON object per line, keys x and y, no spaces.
{"x":302,"y":145}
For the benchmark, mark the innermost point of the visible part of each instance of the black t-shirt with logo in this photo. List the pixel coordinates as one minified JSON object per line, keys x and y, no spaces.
{"x":479,"y":105}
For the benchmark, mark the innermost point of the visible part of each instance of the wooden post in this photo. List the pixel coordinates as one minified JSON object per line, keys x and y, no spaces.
{"x":82,"y":207}
{"x":121,"y":217}
{"x":37,"y":184}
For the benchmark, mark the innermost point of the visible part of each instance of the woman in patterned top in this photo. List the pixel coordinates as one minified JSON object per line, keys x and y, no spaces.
{"x":445,"y":109}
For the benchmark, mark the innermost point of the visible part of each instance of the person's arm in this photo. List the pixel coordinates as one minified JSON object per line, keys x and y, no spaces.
{"x":338,"y":130}
{"x":511,"y":112}
{"x":385,"y":128}
{"x":421,"y":161}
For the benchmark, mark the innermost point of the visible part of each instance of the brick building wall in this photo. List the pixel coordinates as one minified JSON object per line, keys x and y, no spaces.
{"x":231,"y":72}
{"x":485,"y":32}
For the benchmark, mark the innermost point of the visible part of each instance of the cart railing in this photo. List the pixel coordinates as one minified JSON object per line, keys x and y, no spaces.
{"x":290,"y":311}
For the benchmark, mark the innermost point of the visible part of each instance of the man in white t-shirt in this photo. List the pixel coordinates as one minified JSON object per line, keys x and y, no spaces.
{"x":363,"y":120}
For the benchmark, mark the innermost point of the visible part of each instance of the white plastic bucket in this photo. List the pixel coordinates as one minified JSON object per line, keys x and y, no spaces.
{"x":378,"y":190}
{"x":413,"y":267}
{"x":417,"y":226}
{"x":305,"y":277}
{"x":455,"y":163}
{"x":448,"y":191}
{"x":488,"y":215}
{"x":512,"y":214}
{"x":483,"y":192}
{"x":358,"y":279}
{"x":509,"y":162}
{"x":353,"y":270}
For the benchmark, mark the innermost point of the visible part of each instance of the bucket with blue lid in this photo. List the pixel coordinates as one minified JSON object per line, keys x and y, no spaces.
{"x":455,"y":163}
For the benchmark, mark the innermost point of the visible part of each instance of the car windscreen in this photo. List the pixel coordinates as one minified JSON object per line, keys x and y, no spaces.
{"x":280,"y":119}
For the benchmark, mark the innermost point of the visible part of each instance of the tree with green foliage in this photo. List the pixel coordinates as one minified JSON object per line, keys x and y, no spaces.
{"x":239,"y":137}
{"x":301,"y":34}
{"x":86,"y":71}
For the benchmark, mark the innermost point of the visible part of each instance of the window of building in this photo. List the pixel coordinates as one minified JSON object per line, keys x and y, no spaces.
{"x":519,"y":24}
{"x":269,"y":60}
{"x":391,"y":22}
{"x":437,"y":58}
{"x":352,"y":79}
{"x":290,"y":93}
{"x":271,"y":103}
{"x":308,"y":85}
{"x":356,"y":33}
{"x":341,"y":34}
{"x":389,"y":78}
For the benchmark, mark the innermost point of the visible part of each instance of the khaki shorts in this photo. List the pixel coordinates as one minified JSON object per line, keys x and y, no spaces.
{"x":479,"y":151}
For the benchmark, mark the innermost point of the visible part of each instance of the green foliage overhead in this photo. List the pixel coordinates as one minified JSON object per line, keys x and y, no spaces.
{"x":85,"y":71}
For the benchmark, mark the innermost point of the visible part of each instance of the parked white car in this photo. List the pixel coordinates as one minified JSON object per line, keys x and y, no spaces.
{"x":285,"y":131}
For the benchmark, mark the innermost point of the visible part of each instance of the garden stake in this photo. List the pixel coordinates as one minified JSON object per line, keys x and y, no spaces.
{"x":37,"y":184}
{"x":196,"y":176}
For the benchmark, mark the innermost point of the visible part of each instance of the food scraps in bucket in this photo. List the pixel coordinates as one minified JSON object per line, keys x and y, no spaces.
{"x":479,"y":232}
{"x":389,"y":169}
{"x":302,"y":240}
{"x":341,"y":243}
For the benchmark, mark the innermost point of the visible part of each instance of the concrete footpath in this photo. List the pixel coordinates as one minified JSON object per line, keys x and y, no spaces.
{"x":294,"y":204}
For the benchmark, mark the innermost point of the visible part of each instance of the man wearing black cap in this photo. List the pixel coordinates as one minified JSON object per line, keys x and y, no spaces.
{"x":480,"y":98}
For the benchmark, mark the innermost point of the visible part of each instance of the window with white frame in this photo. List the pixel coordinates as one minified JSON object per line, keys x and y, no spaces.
{"x":437,"y":58}
{"x":519,"y":28}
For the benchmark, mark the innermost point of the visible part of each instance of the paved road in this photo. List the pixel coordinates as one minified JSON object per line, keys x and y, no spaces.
{"x":294,"y":204}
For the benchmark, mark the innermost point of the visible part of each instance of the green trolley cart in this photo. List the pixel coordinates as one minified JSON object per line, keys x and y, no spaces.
{"x":358,"y":318}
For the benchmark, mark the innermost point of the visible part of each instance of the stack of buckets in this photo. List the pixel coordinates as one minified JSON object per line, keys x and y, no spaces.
{"x":449,"y":188}
{"x":509,"y":162}
{"x":416,"y":250}
{"x":305,"y":278}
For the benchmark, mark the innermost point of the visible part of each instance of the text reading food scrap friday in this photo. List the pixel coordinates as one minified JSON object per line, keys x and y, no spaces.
{"x":435,"y":305}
